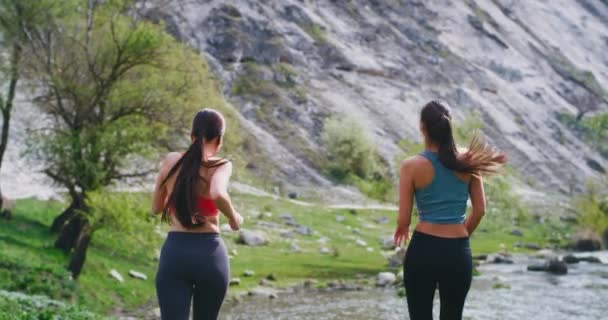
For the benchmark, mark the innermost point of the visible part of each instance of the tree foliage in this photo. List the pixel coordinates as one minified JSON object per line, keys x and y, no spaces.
{"x":114,"y":91}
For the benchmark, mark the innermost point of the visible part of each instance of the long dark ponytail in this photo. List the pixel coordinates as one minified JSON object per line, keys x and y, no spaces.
{"x":480,"y":158}
{"x":208,"y":124}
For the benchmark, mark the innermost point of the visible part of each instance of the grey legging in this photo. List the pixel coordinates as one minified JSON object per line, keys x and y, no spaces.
{"x":193,"y":267}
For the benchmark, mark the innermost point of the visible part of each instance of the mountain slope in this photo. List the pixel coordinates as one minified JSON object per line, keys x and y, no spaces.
{"x":288,"y":65}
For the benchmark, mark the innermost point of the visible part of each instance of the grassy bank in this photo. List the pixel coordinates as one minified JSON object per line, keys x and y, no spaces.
{"x":31,"y":265}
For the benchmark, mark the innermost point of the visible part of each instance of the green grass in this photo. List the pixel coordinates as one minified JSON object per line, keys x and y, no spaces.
{"x":26,"y":249}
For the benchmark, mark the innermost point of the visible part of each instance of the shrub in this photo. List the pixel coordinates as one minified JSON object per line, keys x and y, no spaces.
{"x":15,"y":305}
{"x":592,"y":206}
{"x":350,"y":151}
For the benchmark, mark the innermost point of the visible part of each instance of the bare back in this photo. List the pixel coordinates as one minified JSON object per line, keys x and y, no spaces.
{"x":213,"y":177}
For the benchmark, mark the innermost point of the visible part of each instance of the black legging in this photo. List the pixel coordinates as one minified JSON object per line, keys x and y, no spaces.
{"x":434,"y":262}
{"x":193,"y":267}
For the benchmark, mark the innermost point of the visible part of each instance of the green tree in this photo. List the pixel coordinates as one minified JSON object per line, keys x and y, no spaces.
{"x":17,"y":19}
{"x":116,"y":91}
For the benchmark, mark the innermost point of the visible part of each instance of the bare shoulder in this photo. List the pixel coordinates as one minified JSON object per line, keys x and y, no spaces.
{"x":413,"y":162}
{"x":170,"y":160}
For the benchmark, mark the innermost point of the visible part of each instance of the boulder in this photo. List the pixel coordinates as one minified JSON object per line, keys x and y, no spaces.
{"x":590,"y":259}
{"x":304,"y":230}
{"x":235,"y":281}
{"x":385,"y":278}
{"x":324,"y":250}
{"x":570,"y":259}
{"x":499,"y":259}
{"x":482,"y":257}
{"x":516,"y":232}
{"x":263,"y":292}
{"x":248,"y":273}
{"x":252,"y":238}
{"x":586,"y":240}
{"x":271,"y":277}
{"x":553,"y":265}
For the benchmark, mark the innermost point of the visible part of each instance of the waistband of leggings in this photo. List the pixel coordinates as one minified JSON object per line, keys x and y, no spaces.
{"x":425,"y":236}
{"x":192,"y":235}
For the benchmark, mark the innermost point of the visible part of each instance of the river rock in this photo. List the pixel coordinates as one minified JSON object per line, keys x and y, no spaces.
{"x":554,"y":266}
{"x":570,"y":259}
{"x":252,"y":238}
{"x":396,"y":259}
{"x":586,"y":240}
{"x":116,"y":275}
{"x":482,"y":257}
{"x":499,"y":259}
{"x":388,"y":243}
{"x":385,"y":278}
{"x":263,"y":292}
{"x":137,"y":275}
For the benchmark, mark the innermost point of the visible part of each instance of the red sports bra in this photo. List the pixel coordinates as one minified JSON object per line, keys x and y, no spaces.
{"x":205,"y":207}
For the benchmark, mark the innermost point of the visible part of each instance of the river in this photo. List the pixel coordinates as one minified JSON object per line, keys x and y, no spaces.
{"x":582,"y":294}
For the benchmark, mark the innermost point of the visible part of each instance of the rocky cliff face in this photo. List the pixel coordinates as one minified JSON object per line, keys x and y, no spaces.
{"x":288,"y":65}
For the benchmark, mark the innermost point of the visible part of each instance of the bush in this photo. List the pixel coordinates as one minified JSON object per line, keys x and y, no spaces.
{"x":125,"y":216}
{"x":592,"y":206}
{"x":350,"y":152}
{"x":51,"y":280}
{"x":19,"y":306}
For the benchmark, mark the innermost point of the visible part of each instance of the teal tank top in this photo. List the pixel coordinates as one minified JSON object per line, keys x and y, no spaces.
{"x":444,"y":200}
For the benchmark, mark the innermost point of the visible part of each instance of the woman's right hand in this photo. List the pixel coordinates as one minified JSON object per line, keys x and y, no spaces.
{"x":402,"y":235}
{"x":236,"y":221}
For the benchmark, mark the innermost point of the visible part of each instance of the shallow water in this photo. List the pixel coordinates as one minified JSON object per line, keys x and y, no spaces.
{"x":581,"y":294}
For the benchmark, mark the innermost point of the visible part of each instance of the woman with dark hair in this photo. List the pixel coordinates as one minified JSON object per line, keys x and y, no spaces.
{"x":441,"y":179}
{"x":191,"y":190}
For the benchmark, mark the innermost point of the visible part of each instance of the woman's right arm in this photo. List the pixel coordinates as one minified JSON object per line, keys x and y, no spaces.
{"x":160,"y":190}
{"x":478,"y":202}
{"x":219,"y":193}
